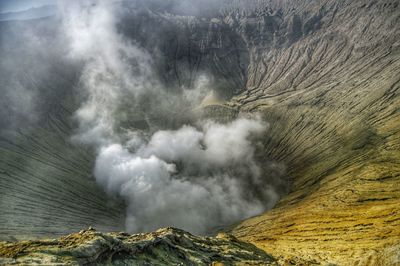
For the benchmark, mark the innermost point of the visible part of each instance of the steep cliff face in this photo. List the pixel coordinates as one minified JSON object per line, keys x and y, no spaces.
{"x":323,"y":73}
{"x":46,"y":181}
{"x":186,"y":47}
{"x":331,"y":94}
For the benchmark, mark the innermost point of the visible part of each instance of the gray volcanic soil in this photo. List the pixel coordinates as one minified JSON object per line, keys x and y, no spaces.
{"x":325,"y":74}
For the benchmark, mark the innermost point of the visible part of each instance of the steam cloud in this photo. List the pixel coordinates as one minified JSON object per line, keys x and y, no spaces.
{"x":187,"y":178}
{"x":114,"y":68}
{"x":194,"y":176}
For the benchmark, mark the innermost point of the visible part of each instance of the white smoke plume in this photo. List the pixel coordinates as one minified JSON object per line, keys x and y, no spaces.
{"x":115,"y":68}
{"x":194,"y":177}
{"x":186,"y":178}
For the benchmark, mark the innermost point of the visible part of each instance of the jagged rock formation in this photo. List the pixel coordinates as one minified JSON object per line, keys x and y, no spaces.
{"x":164,"y":247}
{"x":324,"y":74}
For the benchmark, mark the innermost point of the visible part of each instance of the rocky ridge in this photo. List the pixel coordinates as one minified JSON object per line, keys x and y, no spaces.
{"x":167,"y":246}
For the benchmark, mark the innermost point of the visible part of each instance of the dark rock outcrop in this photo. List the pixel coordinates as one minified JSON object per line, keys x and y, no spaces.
{"x":167,"y":246}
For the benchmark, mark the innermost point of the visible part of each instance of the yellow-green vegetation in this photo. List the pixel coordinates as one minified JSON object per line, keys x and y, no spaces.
{"x":341,"y":147}
{"x":332,"y":99}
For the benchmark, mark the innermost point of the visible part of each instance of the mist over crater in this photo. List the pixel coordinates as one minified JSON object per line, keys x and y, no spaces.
{"x":274,"y":120}
{"x":140,"y":108}
{"x":180,"y":170}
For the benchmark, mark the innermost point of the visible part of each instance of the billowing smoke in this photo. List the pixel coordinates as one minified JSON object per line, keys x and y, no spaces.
{"x":182,"y":171}
{"x":190,"y":178}
{"x":115,"y":68}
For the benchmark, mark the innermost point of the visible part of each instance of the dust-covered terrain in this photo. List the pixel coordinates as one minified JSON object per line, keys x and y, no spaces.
{"x":137,"y":115}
